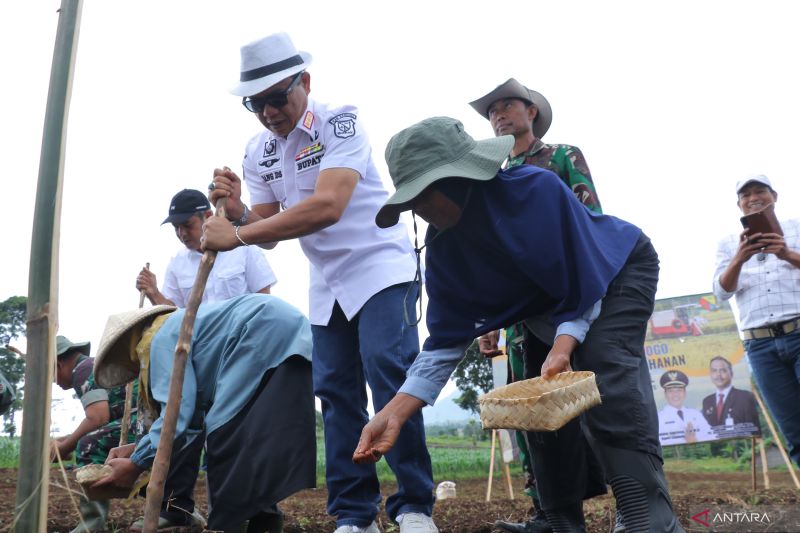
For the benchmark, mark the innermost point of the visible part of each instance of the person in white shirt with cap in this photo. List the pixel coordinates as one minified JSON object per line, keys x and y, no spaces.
{"x":235,"y":273}
{"x":762,"y":271}
{"x":311,"y":176}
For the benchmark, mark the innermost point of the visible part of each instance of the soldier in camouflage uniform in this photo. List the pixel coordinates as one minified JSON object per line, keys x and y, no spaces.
{"x":513,"y":109}
{"x":7,"y":395}
{"x":99,"y":431}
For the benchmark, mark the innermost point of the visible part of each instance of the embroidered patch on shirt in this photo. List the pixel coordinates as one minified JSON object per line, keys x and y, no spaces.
{"x":270,"y":147}
{"x":270,"y":162}
{"x":308,"y":150}
{"x":272,"y":176}
{"x":308,"y":120}
{"x":309,"y":162}
{"x":344,"y":125}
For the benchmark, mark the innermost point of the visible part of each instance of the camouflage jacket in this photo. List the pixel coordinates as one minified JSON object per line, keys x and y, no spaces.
{"x":566,"y":161}
{"x":89,"y":392}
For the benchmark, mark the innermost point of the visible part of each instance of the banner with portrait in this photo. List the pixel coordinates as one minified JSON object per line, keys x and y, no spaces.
{"x":700,"y":377}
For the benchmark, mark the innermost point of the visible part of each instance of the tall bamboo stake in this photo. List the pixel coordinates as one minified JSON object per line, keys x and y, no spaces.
{"x":158,"y":475}
{"x":125,"y":424}
{"x":42,"y":310}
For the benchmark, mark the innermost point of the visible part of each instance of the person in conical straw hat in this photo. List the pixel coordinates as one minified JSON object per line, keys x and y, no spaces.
{"x":247,"y":386}
{"x":506,"y":245}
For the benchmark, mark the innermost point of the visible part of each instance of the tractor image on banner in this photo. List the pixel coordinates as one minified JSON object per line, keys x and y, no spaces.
{"x":699,"y":373}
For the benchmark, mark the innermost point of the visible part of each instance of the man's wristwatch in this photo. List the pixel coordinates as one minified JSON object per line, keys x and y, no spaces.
{"x":242,"y":220}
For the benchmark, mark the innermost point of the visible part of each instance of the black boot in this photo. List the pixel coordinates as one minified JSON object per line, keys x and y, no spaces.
{"x":536,"y":524}
{"x":567,"y":519}
{"x":640,"y":489}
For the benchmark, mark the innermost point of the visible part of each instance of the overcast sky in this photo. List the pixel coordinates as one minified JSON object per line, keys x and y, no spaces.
{"x":671,"y":103}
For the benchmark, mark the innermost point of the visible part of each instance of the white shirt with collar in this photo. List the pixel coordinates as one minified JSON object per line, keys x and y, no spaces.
{"x":672,"y":426}
{"x":768,"y":290}
{"x":240,"y":271}
{"x":353,"y":259}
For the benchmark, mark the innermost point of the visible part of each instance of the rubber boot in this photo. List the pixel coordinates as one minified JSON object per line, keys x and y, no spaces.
{"x":93,"y":516}
{"x":266,"y":523}
{"x":640,"y":489}
{"x":567,"y":519}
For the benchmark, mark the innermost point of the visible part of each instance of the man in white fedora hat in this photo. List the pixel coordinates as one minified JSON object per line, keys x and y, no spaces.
{"x":311,"y":176}
{"x":247,"y":390}
{"x":761,"y":269}
{"x":513,"y":109}
{"x":596,"y":275}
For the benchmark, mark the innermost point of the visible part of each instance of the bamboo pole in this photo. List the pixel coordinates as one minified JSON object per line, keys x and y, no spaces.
{"x":42,"y":310}
{"x":125,"y":425}
{"x":776,"y":436}
{"x":491,"y":467}
{"x":158,"y":475}
{"x":764,"y":466}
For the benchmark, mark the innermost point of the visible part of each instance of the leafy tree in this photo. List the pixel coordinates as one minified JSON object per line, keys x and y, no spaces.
{"x":473,"y":377}
{"x":12,"y":326}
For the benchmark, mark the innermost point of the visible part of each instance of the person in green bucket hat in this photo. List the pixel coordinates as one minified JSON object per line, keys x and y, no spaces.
{"x":505,"y":245}
{"x":98,"y":432}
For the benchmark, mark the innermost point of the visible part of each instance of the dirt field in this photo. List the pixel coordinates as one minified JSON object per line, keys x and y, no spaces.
{"x":469,"y":512}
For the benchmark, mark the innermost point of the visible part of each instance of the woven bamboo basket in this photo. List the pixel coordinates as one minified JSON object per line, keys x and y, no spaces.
{"x":539,"y":404}
{"x":88,"y":474}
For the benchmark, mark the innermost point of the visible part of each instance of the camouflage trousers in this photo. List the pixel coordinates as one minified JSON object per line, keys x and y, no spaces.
{"x":93,"y":447}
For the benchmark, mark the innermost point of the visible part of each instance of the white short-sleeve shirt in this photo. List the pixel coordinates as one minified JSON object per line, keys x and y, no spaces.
{"x":240,"y":271}
{"x":353,"y":259}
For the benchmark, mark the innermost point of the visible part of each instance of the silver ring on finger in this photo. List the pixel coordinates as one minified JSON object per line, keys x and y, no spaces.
{"x":212,"y":186}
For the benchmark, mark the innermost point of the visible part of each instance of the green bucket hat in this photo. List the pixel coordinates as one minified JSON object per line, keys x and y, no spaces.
{"x":64,"y":345}
{"x":435,"y":149}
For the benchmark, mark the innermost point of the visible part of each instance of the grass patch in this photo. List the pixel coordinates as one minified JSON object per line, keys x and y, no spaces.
{"x":9,"y":452}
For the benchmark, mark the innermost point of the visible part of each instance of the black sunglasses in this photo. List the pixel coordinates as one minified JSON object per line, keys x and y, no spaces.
{"x":276,"y":99}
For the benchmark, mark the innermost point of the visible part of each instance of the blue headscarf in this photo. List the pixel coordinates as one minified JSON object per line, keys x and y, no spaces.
{"x":524,"y":246}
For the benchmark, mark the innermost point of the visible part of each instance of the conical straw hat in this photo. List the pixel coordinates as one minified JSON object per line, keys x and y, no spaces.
{"x":113,"y":364}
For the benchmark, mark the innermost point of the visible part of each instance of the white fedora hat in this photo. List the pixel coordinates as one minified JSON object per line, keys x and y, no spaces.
{"x":267,"y":61}
{"x":113,"y":364}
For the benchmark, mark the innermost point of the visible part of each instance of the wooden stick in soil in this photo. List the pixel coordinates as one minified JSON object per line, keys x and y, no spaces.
{"x":158,"y":475}
{"x":764,"y":466}
{"x":753,"y":461}
{"x":125,"y":425}
{"x":491,"y":467}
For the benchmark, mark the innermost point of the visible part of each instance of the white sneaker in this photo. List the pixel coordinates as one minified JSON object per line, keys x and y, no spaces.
{"x":372,"y":528}
{"x":416,"y":523}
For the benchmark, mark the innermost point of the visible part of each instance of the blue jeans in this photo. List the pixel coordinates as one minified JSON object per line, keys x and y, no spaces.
{"x":776,"y":368}
{"x":375,"y":348}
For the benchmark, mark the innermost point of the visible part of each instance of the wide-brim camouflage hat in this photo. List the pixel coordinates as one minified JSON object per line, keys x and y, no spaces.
{"x":514,"y":89}
{"x":435,"y":149}
{"x":113,"y":364}
{"x":64,"y":345}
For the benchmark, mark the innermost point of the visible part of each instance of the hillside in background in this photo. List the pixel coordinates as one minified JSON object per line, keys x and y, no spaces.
{"x":446,"y":410}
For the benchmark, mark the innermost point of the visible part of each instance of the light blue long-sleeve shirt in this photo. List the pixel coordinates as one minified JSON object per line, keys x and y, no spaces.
{"x":432,"y":368}
{"x":234,"y":344}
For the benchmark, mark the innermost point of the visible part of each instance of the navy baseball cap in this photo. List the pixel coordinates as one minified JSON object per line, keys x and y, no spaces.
{"x":186,"y":203}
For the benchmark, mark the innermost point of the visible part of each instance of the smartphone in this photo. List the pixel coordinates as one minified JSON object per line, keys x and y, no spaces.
{"x":763,"y":221}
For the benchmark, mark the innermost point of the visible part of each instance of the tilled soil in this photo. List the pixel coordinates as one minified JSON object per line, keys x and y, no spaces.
{"x":467,"y":513}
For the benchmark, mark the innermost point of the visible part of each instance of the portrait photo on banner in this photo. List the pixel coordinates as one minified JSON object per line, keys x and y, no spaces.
{"x":699,"y":372}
